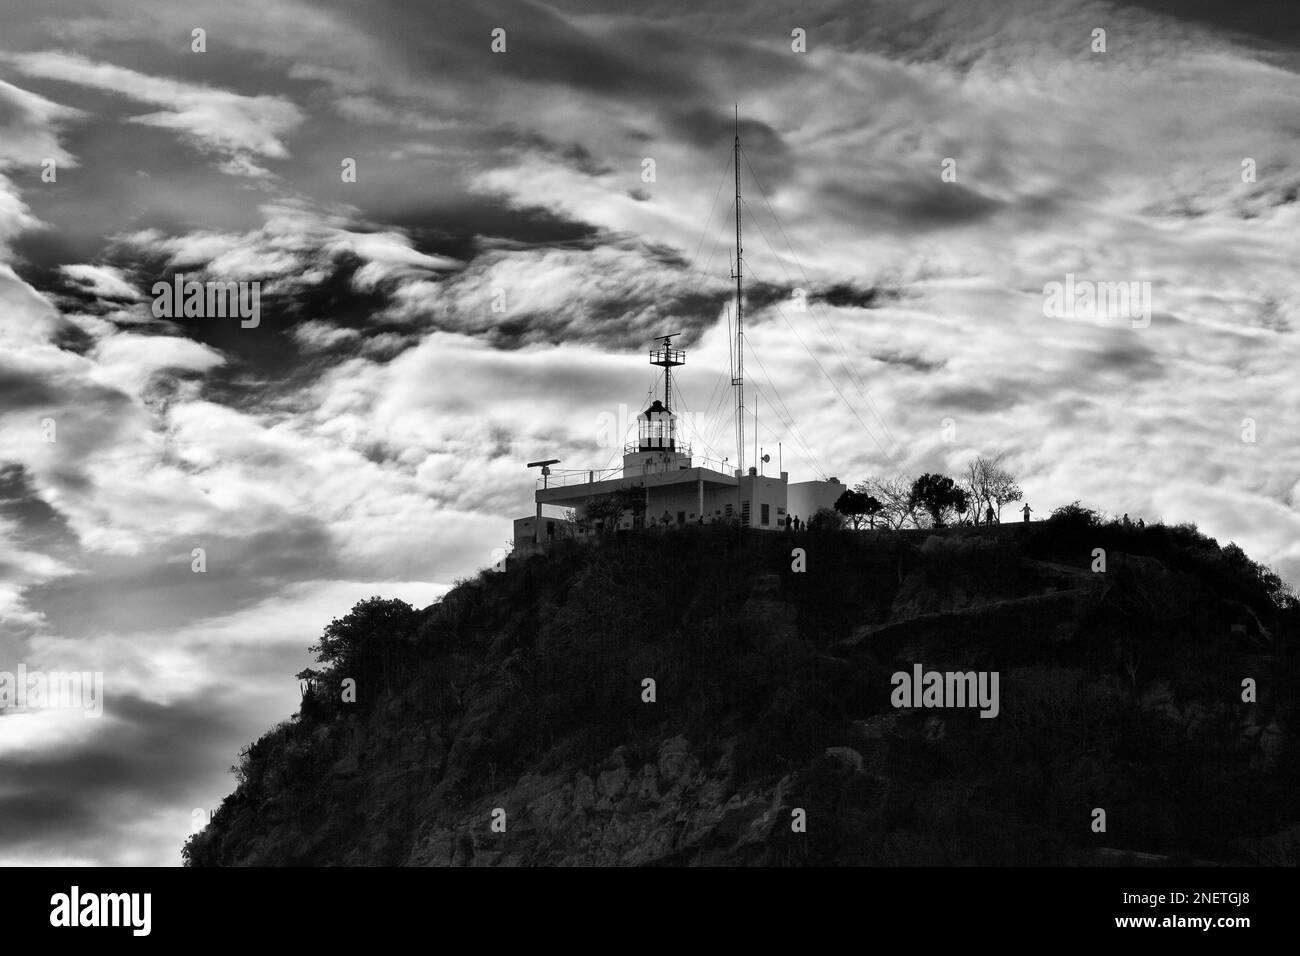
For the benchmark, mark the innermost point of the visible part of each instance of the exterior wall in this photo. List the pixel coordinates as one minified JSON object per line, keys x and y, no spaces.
{"x":524,"y":530}
{"x":654,"y":462}
{"x":805,"y":497}
{"x":576,"y":494}
{"x":551,"y":528}
{"x":760,"y":491}
{"x":682,"y":502}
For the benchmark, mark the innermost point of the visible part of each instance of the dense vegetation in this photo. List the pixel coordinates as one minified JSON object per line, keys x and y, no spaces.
{"x":1120,"y":690}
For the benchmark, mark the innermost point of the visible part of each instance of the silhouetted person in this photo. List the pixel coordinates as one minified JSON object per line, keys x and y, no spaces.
{"x":1126,"y":521}
{"x":1026,"y":509}
{"x":1141,"y":523}
{"x":988,"y":515}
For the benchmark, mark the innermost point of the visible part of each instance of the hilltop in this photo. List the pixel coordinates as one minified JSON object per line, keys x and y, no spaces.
{"x":523,"y":690}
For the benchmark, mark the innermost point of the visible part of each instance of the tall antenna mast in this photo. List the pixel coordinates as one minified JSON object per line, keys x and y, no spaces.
{"x":667,"y":357}
{"x":738,"y":380}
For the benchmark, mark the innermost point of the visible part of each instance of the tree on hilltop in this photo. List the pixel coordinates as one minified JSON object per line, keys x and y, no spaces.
{"x":895,"y":497}
{"x":988,"y":484}
{"x":939,"y":497}
{"x":858,"y":506}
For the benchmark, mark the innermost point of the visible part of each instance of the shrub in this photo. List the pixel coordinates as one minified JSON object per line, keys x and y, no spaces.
{"x":373,"y":644}
{"x":1075,"y":515}
{"x":826,"y":519}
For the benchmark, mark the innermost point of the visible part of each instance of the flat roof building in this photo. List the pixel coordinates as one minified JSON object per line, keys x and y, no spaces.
{"x":661,"y":484}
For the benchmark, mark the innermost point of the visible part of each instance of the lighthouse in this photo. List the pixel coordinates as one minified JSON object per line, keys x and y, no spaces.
{"x":662,"y":484}
{"x":658,"y":449}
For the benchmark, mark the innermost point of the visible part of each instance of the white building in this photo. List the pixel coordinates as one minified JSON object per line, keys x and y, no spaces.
{"x":661,"y":483}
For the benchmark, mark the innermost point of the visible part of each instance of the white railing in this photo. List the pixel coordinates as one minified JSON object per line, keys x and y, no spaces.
{"x":567,"y":479}
{"x":563,"y":479}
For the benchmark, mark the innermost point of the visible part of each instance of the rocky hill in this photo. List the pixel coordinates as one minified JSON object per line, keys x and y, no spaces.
{"x":510,"y":724}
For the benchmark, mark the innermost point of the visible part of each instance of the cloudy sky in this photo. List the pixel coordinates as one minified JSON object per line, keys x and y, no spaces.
{"x":369,"y":435}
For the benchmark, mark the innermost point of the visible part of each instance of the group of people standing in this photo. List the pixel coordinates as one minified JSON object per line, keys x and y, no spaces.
{"x":990,"y":517}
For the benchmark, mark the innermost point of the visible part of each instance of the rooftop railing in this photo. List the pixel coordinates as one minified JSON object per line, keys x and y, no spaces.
{"x":632,"y":447}
{"x":569,"y":478}
{"x":667,"y":355}
{"x":561,"y":479}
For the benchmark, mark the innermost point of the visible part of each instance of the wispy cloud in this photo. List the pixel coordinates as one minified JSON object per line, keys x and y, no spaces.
{"x":239,"y":128}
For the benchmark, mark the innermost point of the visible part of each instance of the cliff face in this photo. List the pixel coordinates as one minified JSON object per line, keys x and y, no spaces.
{"x":509,"y":724}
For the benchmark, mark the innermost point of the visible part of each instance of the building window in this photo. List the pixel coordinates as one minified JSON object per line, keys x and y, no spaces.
{"x":764,"y":513}
{"x":729,"y":511}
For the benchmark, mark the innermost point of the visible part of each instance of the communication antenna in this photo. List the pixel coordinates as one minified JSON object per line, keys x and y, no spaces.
{"x":667,"y":358}
{"x":738,"y":380}
{"x":546,"y":468}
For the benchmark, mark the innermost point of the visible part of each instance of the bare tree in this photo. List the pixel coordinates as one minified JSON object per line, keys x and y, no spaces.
{"x":894,"y":494}
{"x":989,"y":485}
{"x":1001,"y":487}
{"x":973,"y":482}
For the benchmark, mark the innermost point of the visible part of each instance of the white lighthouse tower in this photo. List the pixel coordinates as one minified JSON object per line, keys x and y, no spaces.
{"x":658,"y":448}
